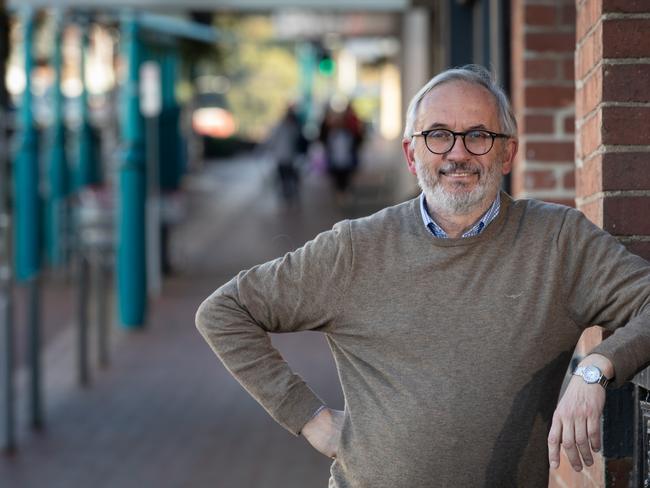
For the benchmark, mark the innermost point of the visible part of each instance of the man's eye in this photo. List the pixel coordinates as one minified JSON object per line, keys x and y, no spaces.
{"x":477,"y":135}
{"x":439,"y":134}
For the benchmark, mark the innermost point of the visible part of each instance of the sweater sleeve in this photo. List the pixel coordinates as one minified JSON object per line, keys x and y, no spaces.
{"x":301,"y":291}
{"x":610,"y":287}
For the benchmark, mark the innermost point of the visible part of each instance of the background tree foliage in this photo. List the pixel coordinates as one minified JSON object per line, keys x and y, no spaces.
{"x":263,"y":72}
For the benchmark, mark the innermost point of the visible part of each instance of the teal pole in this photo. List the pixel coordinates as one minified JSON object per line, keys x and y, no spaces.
{"x":307,"y":63}
{"x":27,"y":235}
{"x":88,"y":168}
{"x":27,"y":172}
{"x":58,"y":167}
{"x":131,"y":253}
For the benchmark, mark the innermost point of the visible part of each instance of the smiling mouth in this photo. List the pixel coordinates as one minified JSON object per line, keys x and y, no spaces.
{"x":459,"y":174}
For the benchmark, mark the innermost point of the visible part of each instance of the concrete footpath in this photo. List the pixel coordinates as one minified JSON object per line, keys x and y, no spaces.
{"x":166,"y":413}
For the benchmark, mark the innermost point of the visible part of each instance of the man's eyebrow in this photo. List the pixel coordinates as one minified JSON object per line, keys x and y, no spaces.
{"x":439,"y":125}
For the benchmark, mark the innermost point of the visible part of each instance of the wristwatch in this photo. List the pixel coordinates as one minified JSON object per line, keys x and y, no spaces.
{"x":592,"y":375}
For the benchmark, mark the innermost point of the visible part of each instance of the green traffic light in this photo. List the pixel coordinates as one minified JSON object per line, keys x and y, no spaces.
{"x":326,"y":66}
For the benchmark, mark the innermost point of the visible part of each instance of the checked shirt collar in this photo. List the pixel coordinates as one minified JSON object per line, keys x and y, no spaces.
{"x":476,"y":229}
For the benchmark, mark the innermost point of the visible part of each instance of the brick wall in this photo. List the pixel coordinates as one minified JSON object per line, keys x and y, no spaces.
{"x":543,"y":92}
{"x":612,"y":156}
{"x":613,"y":118}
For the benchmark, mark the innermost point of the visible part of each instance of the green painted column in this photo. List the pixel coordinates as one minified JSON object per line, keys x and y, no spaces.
{"x":26,"y":173}
{"x":307,"y":62}
{"x":131,"y":254}
{"x":57,"y":171}
{"x":27,"y":217}
{"x":88,"y":169}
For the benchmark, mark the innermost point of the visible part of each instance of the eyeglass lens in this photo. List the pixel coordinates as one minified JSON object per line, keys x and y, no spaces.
{"x":477,"y":142}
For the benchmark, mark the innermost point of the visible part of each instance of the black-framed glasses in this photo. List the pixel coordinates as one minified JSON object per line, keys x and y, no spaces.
{"x":476,"y":141}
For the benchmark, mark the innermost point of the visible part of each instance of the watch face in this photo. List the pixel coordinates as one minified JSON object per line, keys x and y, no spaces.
{"x":591,"y":374}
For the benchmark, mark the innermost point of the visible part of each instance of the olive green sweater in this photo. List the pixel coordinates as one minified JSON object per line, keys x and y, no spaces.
{"x":451,"y":353}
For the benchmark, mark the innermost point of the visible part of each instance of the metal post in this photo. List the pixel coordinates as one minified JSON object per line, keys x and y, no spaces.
{"x":95,"y":238}
{"x":34,"y":325}
{"x":173,"y":160}
{"x":7,"y":338}
{"x":27,"y":204}
{"x":150,"y":107}
{"x":102,"y":273}
{"x":88,"y":168}
{"x":58,"y":167}
{"x":154,"y":272}
{"x":6,"y":320}
{"x":131,"y":257}
{"x":82,"y":324}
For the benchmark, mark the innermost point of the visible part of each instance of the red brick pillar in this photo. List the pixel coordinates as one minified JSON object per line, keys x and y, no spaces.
{"x":612,"y":165}
{"x":613,"y":118}
{"x":543,"y":92}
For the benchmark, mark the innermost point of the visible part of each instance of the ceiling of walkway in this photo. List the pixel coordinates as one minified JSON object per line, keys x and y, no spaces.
{"x":232,"y":5}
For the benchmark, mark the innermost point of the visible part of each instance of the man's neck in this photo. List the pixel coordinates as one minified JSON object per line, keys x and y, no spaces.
{"x":455,"y":224}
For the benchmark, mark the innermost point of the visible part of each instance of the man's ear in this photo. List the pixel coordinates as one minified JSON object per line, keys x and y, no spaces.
{"x":409,"y":154}
{"x":510,"y":151}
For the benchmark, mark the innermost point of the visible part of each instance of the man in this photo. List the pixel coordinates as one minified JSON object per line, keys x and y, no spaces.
{"x":452,"y":317}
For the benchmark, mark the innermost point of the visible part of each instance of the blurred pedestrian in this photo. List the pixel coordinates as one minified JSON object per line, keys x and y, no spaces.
{"x":341,"y":134}
{"x":286,"y":145}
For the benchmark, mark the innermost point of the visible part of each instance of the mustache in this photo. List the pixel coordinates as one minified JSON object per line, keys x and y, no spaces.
{"x":462,"y":167}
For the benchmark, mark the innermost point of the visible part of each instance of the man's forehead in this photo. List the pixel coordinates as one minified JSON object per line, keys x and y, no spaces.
{"x":464,"y":86}
{"x":460,"y":99}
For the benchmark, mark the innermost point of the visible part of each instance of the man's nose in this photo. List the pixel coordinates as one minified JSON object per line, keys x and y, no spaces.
{"x":458,"y":150}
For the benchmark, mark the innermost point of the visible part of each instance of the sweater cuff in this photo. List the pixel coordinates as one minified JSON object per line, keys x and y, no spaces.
{"x":298,"y":408}
{"x":623,"y":370}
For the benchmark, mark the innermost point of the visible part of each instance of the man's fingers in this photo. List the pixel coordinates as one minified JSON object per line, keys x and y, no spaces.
{"x":593,"y":428}
{"x":569,"y":445}
{"x":554,"y":439}
{"x":576,"y":422}
{"x":582,"y":441}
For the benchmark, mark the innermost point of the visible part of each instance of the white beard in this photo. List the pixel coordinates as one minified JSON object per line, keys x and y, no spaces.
{"x":458,"y":202}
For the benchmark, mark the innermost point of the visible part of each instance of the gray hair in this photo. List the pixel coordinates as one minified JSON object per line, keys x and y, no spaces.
{"x":470,"y":73}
